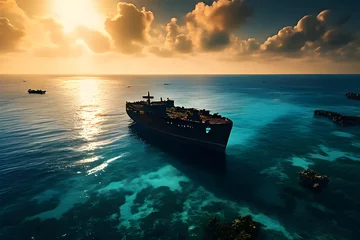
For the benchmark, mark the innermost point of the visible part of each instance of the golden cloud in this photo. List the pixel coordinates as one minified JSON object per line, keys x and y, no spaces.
{"x":129,"y":29}
{"x":10,"y":36}
{"x":95,"y":40}
{"x":206,"y":28}
{"x":210,"y":27}
{"x":175,"y":41}
{"x":62,"y":44}
{"x":9,"y":9}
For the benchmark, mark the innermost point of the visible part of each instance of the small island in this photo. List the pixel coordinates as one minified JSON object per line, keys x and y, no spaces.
{"x":339,"y":119}
{"x":354,"y":96}
{"x":313,"y":180}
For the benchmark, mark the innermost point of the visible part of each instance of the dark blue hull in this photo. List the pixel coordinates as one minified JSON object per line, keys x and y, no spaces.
{"x":191,"y":139}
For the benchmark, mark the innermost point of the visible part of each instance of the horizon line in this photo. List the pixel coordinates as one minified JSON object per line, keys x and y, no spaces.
{"x":175,"y":74}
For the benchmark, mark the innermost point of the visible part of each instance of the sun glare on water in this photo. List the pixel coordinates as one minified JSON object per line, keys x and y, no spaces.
{"x":73,"y":13}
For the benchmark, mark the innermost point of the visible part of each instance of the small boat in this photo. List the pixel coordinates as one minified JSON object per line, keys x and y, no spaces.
{"x":31,"y":91}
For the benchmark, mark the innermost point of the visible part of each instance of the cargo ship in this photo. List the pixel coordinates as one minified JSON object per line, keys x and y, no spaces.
{"x":188,"y":126}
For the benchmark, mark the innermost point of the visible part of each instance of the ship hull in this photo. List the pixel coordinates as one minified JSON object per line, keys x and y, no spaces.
{"x":159,"y":129}
{"x":167,"y":139}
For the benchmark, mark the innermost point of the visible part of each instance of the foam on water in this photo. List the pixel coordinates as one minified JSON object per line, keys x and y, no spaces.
{"x":89,"y":160}
{"x":104,"y":165}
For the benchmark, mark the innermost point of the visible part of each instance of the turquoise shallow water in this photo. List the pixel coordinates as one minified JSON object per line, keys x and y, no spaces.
{"x":72,"y":167}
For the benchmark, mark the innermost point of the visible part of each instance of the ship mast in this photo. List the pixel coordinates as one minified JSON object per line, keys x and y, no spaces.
{"x":148,"y":97}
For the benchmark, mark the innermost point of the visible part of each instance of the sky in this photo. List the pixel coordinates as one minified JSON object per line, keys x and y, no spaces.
{"x":179,"y":37}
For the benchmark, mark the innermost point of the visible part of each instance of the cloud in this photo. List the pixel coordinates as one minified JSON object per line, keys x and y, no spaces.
{"x":129,"y":29}
{"x":340,"y":47}
{"x":62,"y":44}
{"x":70,"y":51}
{"x":241,"y":49}
{"x":292,"y":39}
{"x":56,"y":31}
{"x":175,"y":41}
{"x":206,"y":28}
{"x":96,"y":41}
{"x":313,"y":37}
{"x":10,"y":36}
{"x":9,"y":9}
{"x":35,"y":7}
{"x":349,"y":52}
{"x":210,"y":27}
{"x":161,"y":51}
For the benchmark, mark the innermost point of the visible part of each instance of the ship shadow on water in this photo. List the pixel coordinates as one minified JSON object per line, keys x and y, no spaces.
{"x":189,"y":155}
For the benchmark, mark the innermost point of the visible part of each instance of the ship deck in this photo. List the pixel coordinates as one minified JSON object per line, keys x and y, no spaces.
{"x":180,"y":113}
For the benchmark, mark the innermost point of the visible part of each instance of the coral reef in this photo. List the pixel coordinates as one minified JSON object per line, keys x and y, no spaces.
{"x":311,"y":179}
{"x":242,"y":228}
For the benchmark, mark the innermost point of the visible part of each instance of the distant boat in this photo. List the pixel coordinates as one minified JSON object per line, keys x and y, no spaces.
{"x":24,"y":81}
{"x":166,"y":84}
{"x":31,"y":91}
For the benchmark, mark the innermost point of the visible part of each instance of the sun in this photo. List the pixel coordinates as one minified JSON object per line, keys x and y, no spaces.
{"x":73,"y":13}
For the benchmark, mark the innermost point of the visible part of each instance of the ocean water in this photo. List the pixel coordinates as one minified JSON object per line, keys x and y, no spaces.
{"x":72,"y":166}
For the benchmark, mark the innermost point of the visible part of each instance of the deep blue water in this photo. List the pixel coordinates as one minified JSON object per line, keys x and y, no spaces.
{"x":71,"y":166}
